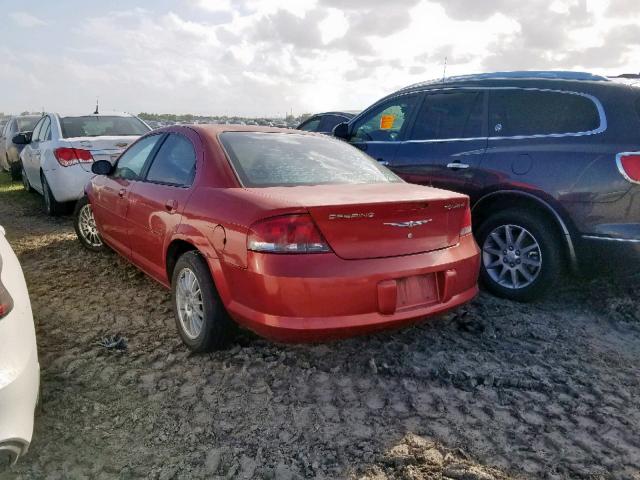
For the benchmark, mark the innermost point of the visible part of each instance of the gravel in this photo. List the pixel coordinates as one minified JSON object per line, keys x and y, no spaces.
{"x":494,"y":390}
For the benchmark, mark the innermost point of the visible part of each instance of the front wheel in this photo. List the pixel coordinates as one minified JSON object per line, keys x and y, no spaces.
{"x":202,"y":321}
{"x":521,"y":257}
{"x":85,"y":226}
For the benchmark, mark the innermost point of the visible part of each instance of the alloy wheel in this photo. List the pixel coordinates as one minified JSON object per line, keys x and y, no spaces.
{"x":189,"y":303}
{"x":87,"y":225}
{"x":511,"y":256}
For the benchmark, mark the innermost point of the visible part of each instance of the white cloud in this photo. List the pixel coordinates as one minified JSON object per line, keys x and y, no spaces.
{"x":26,"y":20}
{"x":265,"y":57}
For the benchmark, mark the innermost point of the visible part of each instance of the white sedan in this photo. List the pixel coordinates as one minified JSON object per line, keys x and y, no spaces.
{"x":19,"y":368}
{"x":56,"y":161}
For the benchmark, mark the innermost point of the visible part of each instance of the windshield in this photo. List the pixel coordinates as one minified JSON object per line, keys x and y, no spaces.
{"x":287,"y":159}
{"x":97,"y":126}
{"x":26,"y":124}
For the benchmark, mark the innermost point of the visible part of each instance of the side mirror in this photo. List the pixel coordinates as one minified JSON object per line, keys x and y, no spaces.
{"x":102,"y":167}
{"x":22,"y":138}
{"x":341,"y":130}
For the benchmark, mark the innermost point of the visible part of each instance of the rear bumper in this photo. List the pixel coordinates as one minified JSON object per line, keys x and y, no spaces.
{"x":67,"y":183}
{"x":320,"y":297}
{"x":17,"y":405}
{"x":609,"y":254}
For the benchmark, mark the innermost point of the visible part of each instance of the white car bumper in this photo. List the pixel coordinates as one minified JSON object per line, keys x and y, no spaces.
{"x":67,"y":183}
{"x":19,"y":368}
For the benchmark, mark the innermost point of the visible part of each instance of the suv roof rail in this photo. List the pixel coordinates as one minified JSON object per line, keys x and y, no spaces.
{"x":520,"y":74}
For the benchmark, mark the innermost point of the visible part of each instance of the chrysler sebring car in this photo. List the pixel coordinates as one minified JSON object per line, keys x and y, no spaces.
{"x":296,"y":236}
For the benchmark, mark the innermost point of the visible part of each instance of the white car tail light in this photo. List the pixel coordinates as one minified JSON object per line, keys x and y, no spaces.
{"x":629,"y":166}
{"x":286,"y":234}
{"x":6,"y":302}
{"x":72,"y":156}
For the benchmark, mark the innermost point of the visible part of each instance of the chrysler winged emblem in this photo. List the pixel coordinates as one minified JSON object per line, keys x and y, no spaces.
{"x":409,"y":224}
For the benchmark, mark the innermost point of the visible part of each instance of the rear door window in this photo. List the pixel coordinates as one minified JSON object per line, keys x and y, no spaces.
{"x":449,"y":115}
{"x":518,"y":112}
{"x":386,"y":122}
{"x":132,"y":161}
{"x":175,"y":162}
{"x":36,"y":131}
{"x":45,"y":130}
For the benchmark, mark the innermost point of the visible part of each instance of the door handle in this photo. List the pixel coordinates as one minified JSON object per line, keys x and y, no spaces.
{"x":170,"y":206}
{"x":457,"y":165}
{"x":381,"y":161}
{"x":122,"y":192}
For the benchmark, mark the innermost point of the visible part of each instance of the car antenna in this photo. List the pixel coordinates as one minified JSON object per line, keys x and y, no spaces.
{"x":444,"y":71}
{"x":97,"y":112}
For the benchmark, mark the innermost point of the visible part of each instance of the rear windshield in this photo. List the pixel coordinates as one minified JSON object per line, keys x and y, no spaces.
{"x":97,"y":126}
{"x":289,"y":159}
{"x":26,"y":124}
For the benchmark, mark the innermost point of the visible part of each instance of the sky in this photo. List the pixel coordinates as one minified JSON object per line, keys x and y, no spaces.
{"x":269,"y":57}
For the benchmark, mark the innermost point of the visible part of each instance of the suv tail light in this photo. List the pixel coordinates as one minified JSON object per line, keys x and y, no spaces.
{"x":6,"y":302}
{"x":465,"y":229}
{"x":286,"y":234}
{"x":71,"y":156}
{"x":629,"y":166}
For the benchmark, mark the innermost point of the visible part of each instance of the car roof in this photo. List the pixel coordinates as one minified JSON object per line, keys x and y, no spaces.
{"x":514,"y":75}
{"x":344,"y":113}
{"x":212,"y":131}
{"x":92,"y":114}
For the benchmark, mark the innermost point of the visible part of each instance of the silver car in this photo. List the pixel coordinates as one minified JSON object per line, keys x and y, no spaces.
{"x":9,"y":151}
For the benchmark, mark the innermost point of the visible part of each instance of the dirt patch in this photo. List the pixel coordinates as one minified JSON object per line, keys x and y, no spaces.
{"x":494,"y":390}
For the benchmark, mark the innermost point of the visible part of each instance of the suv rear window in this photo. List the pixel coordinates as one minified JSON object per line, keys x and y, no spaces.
{"x":515,"y":112}
{"x":289,"y":159}
{"x":97,"y":126}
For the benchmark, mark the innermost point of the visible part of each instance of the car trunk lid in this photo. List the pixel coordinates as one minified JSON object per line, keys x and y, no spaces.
{"x":102,"y":148}
{"x":381,"y":220}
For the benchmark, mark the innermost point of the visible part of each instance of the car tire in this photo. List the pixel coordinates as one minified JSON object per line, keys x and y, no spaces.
{"x":52,"y":207}
{"x":25,"y":182}
{"x":520,"y":254}
{"x":202,"y":321}
{"x":85,"y":226}
{"x":16,"y":171}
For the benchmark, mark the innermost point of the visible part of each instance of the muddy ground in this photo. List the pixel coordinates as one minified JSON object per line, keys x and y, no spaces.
{"x":495,"y":390}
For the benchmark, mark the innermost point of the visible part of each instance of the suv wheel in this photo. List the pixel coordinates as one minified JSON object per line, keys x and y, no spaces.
{"x":51,"y":206}
{"x":202,"y":321}
{"x":85,"y":226}
{"x":521,"y":256}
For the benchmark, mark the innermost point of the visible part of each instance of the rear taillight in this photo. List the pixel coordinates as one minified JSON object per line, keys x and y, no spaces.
{"x":6,"y":302}
{"x":286,"y":234}
{"x":629,"y":166}
{"x":71,"y":156}
{"x":466,"y":222}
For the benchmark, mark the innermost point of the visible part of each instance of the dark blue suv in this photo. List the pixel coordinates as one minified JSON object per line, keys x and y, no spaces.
{"x":550,"y":160}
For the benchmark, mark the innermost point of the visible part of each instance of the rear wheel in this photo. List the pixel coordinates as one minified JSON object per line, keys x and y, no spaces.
{"x":521,"y":257}
{"x":85,"y":226}
{"x":51,"y":206}
{"x":202,"y":321}
{"x":16,"y":171}
{"x":25,"y":182}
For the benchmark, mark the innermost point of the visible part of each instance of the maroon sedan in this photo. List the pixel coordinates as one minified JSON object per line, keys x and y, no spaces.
{"x":297,"y":236}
